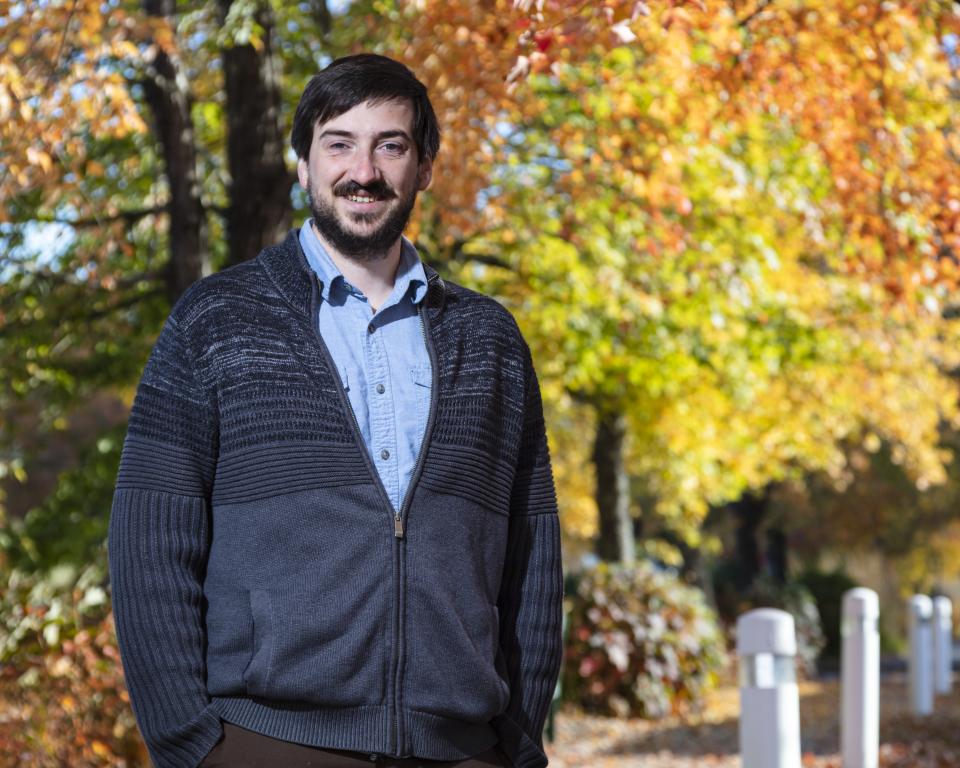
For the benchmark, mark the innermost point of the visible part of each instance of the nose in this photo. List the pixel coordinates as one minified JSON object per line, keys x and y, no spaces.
{"x":364,"y":170}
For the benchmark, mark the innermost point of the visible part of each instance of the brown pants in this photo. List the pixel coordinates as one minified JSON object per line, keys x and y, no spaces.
{"x":240,"y":748}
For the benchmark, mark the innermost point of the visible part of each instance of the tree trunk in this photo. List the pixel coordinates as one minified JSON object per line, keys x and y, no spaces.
{"x":691,"y":570}
{"x":165,"y":90}
{"x":750,"y":510}
{"x":777,"y":554}
{"x":259,"y":211}
{"x":615,"y":542}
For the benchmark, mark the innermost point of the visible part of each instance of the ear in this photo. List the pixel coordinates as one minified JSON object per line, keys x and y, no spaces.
{"x":424,"y":173}
{"x":303,"y":173}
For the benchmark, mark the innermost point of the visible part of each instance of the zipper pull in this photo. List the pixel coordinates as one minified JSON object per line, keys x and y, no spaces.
{"x":397,"y":526}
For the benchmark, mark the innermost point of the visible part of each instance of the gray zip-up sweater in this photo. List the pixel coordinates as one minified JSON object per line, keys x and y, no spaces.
{"x":259,"y":573}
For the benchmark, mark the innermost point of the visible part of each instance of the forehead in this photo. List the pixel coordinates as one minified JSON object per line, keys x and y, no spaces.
{"x":371,"y":117}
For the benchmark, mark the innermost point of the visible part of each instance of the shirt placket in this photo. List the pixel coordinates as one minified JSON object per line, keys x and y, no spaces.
{"x":383,"y":432}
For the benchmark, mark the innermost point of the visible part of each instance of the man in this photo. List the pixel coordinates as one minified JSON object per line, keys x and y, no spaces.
{"x":334,"y":538}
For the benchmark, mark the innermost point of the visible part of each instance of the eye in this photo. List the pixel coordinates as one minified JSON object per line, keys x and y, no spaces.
{"x":393,"y":147}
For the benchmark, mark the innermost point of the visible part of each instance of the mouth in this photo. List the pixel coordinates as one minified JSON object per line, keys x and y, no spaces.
{"x":365,"y":199}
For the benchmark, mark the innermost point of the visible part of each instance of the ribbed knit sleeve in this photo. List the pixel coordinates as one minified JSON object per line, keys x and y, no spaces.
{"x":158,"y":541}
{"x":531,"y":593}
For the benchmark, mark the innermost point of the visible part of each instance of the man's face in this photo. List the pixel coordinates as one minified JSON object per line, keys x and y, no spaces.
{"x":362,"y":177}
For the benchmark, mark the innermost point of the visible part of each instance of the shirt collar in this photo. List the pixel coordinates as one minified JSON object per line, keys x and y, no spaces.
{"x":411,"y":277}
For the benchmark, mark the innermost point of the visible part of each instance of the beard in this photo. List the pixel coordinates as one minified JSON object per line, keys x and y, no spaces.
{"x":361,"y":246}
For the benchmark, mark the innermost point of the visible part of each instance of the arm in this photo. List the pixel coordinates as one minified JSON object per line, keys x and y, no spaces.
{"x":158,"y":542}
{"x":531,"y":592}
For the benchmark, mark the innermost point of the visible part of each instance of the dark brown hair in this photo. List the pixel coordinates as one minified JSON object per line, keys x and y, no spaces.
{"x":353,"y":80}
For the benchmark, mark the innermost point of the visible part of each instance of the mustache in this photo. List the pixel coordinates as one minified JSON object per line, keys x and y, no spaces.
{"x":378,"y":189}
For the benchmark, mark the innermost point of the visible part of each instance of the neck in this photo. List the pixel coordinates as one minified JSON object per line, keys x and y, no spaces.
{"x":373,"y":277}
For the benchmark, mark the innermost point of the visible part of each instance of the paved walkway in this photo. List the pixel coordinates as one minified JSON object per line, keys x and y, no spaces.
{"x":711,"y":739}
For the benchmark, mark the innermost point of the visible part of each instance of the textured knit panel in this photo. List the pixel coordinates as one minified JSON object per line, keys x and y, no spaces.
{"x":481,"y":360}
{"x":157,"y":546}
{"x":531,"y":592}
{"x":475,"y":442}
{"x":263,"y":362}
{"x":146,"y":463}
{"x":263,"y":471}
{"x":530,"y":633}
{"x":533,"y":490}
{"x":172,"y":408}
{"x":471,"y":474}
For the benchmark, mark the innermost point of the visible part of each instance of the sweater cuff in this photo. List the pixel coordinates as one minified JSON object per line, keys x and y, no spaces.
{"x":190,"y":744}
{"x":517,"y":744}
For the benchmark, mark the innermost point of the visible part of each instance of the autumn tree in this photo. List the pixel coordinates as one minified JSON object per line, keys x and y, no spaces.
{"x":729,"y":226}
{"x":144,"y":146}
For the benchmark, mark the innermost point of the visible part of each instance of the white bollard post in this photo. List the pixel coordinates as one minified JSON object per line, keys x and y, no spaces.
{"x":942,"y":644}
{"x":919,"y":611}
{"x":769,"y":698}
{"x":860,"y":679}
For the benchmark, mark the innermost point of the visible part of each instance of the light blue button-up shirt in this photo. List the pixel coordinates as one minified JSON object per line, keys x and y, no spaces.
{"x":382,"y":359}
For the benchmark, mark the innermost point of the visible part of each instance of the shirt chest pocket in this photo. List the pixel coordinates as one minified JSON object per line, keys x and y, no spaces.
{"x":422,"y":380}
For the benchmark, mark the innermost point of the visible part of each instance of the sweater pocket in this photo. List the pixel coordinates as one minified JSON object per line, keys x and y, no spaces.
{"x":454,"y":666}
{"x":315,"y":646}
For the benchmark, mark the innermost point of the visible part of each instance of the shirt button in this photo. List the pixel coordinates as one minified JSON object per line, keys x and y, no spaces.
{"x":384,"y":454}
{"x":371,"y":328}
{"x":381,"y":389}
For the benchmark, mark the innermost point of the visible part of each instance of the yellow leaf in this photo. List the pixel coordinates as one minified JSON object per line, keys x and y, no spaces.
{"x":39,"y":157}
{"x":100,"y":749}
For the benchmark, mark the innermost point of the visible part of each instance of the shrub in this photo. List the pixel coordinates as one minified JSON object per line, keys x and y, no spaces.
{"x":641,"y":643}
{"x":62,"y":681}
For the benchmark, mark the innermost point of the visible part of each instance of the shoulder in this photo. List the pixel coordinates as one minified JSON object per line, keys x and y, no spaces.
{"x":487,"y":315}
{"x":215,"y":295}
{"x":217,"y":312}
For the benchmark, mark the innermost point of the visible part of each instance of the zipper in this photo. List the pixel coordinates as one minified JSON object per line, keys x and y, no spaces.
{"x":398,"y":530}
{"x":431,"y":413}
{"x":404,"y":510}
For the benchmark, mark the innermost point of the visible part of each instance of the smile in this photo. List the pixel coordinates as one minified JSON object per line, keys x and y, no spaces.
{"x":361,"y":199}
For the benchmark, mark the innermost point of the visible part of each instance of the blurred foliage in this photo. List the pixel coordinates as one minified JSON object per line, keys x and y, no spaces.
{"x":41,"y":611}
{"x":84,"y":241}
{"x":691,"y":271}
{"x":875,"y":506}
{"x":61,"y":675}
{"x":70,"y":526}
{"x":641,"y":643}
{"x":793,"y":597}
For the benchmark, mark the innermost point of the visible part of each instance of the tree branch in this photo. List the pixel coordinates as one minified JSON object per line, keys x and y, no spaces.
{"x":84,"y":315}
{"x":95,"y":221}
{"x":761,"y":7}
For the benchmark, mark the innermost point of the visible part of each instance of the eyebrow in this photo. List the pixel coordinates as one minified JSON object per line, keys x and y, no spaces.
{"x":379,"y":136}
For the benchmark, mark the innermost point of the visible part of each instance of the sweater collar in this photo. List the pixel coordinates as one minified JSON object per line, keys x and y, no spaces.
{"x":410,"y":281}
{"x":287,"y":267}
